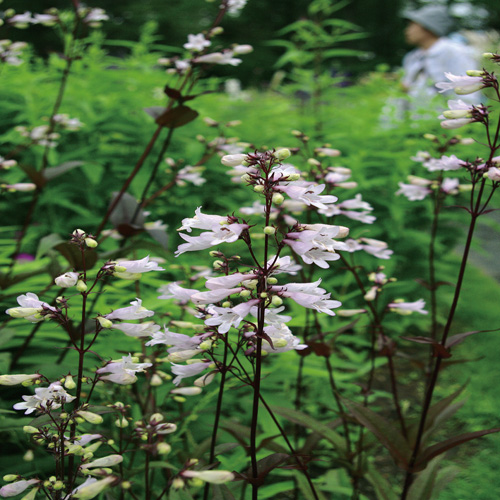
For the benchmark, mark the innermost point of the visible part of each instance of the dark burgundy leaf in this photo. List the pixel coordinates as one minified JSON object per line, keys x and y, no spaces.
{"x":177,"y":117}
{"x":386,"y":432}
{"x":435,"y":450}
{"x":460,"y":337}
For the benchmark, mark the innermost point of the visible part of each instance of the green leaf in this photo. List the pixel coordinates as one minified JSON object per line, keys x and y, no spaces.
{"x":305,"y":487}
{"x":300,"y":418}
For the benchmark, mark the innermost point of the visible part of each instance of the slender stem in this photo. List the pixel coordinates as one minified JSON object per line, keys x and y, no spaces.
{"x":437,"y":365}
{"x":218,"y":412}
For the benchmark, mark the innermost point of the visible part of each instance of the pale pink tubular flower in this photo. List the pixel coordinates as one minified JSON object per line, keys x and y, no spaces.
{"x":493,"y":174}
{"x":197,"y":43}
{"x":458,"y":115}
{"x":30,"y":308}
{"x":18,"y":379}
{"x":461,"y":84}
{"x":406,"y":308}
{"x":223,"y":58}
{"x":308,"y":194}
{"x":445,"y":163}
{"x":174,"y":291}
{"x":20,"y":186}
{"x":227,"y":281}
{"x":176,"y":341}
{"x":213,"y":296}
{"x":52,"y":397}
{"x":450,"y":186}
{"x":16,"y":488}
{"x":225,"y":317}
{"x":210,"y":476}
{"x":183,"y":371}
{"x":376,"y":248}
{"x":144,"y":265}
{"x":122,"y":372}
{"x":135,"y":311}
{"x":137,"y":329}
{"x":309,"y":295}
{"x":413,"y":192}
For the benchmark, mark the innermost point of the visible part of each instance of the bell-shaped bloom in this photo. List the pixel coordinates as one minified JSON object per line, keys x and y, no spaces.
{"x":308,"y":194}
{"x":108,"y":461}
{"x":197,"y":43}
{"x":174,"y":291}
{"x":444,"y":163}
{"x":67,"y":280}
{"x":90,"y":489}
{"x":176,"y":341}
{"x":227,"y":317}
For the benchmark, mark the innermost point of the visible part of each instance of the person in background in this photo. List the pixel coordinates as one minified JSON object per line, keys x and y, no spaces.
{"x":435,"y":54}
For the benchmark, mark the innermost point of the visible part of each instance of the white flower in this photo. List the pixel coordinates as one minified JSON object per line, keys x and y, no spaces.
{"x":183,"y":371}
{"x":51,"y":397}
{"x":19,"y":186}
{"x":108,"y":461}
{"x":138,"y":266}
{"x":197,"y":43}
{"x":308,"y":194}
{"x":92,"y":488}
{"x":445,"y":163}
{"x":30,"y":308}
{"x":137,"y":329}
{"x":450,"y":186}
{"x":376,"y":247}
{"x":135,"y":311}
{"x":462,"y":85}
{"x":122,"y":372}
{"x":412,"y":192}
{"x":226,"y":317}
{"x":16,"y":488}
{"x":190,"y":174}
{"x":234,"y":6}
{"x":210,"y":476}
{"x":67,"y":280}
{"x":222,"y":58}
{"x":406,"y":308}
{"x":458,"y":115}
{"x":17,"y":379}
{"x":177,"y":341}
{"x":174,"y":291}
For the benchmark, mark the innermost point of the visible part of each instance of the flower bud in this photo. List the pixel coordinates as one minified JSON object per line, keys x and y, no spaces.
{"x":474,"y":72}
{"x":177,"y":483}
{"x":278,"y":198}
{"x":108,"y":461}
{"x":179,"y":399}
{"x":90,"y":417}
{"x":90,"y":242}
{"x":259,"y":188}
{"x":269,"y":230}
{"x":282,"y":154}
{"x":163,"y":448}
{"x":126,"y":485}
{"x":233,"y":160}
{"x":187,"y":391}
{"x":217,"y":264}
{"x":18,"y":379}
{"x":457,"y":113}
{"x":104,"y":322}
{"x":226,"y":304}
{"x":155,"y":380}
{"x":121,"y":423}
{"x":204,"y":379}
{"x":276,"y":301}
{"x":66,"y":280}
{"x":245,"y":293}
{"x":29,"y":429}
{"x":10,"y":477}
{"x":81,"y":286}
{"x":69,"y":383}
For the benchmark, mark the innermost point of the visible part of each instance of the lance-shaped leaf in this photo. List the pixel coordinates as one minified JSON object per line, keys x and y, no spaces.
{"x":297,"y":417}
{"x":383,"y":489}
{"x":460,"y":337}
{"x":386,"y":432}
{"x":127,"y":217}
{"x":265,"y":466}
{"x":433,"y":451}
{"x":438,"y":413}
{"x":438,"y":350}
{"x":53,"y":172}
{"x":423,"y":484}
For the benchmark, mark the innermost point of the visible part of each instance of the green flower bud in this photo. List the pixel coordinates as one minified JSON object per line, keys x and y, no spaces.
{"x":28,"y":429}
{"x":245,"y":293}
{"x":272,"y":281}
{"x":278,"y":198}
{"x":92,"y":418}
{"x":269,"y":230}
{"x":282,"y":154}
{"x":259,"y":188}
{"x":69,"y":383}
{"x":90,"y":242}
{"x":163,"y":448}
{"x":10,"y":477}
{"x":104,"y":322}
{"x":81,"y":286}
{"x":276,"y":301}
